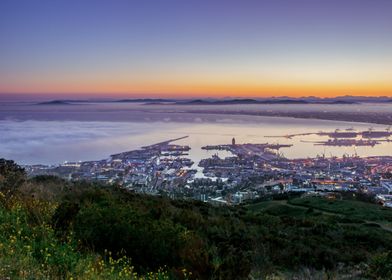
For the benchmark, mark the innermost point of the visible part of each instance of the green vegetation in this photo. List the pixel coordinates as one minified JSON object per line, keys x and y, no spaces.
{"x":353,"y":209}
{"x":53,"y":229}
{"x":30,"y":249}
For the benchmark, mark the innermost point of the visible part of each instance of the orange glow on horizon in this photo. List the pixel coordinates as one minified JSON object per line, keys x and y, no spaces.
{"x":202,"y":90}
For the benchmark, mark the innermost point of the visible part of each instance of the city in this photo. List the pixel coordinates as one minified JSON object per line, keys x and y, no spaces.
{"x":195,"y":140}
{"x":251,"y":172}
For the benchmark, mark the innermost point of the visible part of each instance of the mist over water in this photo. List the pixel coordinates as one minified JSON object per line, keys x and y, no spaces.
{"x":52,"y":134}
{"x":117,"y":111}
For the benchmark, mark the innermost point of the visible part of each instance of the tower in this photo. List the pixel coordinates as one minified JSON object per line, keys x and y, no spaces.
{"x":233,"y":141}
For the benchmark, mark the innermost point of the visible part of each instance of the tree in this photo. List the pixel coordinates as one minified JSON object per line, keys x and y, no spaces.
{"x":12,"y":176}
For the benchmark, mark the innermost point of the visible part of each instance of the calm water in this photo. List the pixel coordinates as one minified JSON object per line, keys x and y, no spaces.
{"x":52,"y":134}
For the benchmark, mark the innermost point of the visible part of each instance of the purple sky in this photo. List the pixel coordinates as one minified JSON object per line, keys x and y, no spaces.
{"x":196,"y":47}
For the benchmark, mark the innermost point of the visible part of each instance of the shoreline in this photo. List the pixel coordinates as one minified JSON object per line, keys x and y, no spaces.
{"x":379,"y":119}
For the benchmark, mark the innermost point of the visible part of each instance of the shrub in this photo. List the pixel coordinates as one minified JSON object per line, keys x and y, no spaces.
{"x":380,"y":266}
{"x":12,"y":176}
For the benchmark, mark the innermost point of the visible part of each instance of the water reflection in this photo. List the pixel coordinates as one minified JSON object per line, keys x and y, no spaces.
{"x":51,"y":142}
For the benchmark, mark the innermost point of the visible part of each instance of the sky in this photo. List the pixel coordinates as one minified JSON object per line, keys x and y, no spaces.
{"x":183,"y":48}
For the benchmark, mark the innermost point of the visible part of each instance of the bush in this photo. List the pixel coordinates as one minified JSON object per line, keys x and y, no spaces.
{"x":380,"y":266}
{"x":92,"y":231}
{"x":12,"y":176}
{"x":122,"y":230}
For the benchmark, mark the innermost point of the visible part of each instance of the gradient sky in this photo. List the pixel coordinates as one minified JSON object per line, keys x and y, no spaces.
{"x":195,"y":47}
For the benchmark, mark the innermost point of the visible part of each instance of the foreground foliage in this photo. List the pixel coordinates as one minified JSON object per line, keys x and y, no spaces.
{"x":30,"y":250}
{"x":53,"y":229}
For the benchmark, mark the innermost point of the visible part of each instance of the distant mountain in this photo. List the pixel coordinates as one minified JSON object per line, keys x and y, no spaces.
{"x":145,"y":100}
{"x":238,"y":101}
{"x":217,"y":102}
{"x":233,"y":101}
{"x":241,"y":101}
{"x":340,"y":102}
{"x":284,"y":101}
{"x":194,"y":102}
{"x":361,"y":99}
{"x":55,"y":102}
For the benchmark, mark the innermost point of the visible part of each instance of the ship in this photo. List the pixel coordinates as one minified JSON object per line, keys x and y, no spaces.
{"x":347,"y":142}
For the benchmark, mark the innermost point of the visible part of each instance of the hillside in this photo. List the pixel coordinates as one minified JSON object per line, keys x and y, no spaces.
{"x":56,"y":229}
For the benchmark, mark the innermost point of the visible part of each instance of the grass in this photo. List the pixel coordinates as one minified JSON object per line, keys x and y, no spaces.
{"x":344,"y":211}
{"x":261,"y":206}
{"x":278,"y":208}
{"x":351,"y":208}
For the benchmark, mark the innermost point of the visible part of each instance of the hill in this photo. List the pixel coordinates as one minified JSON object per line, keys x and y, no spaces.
{"x":51,"y":228}
{"x":55,"y":102}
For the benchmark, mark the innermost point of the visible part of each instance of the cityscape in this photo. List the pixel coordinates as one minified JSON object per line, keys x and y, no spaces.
{"x":196,"y":140}
{"x":252,"y":171}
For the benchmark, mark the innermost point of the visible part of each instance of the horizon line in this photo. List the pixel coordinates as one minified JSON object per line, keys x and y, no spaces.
{"x":106,"y":97}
